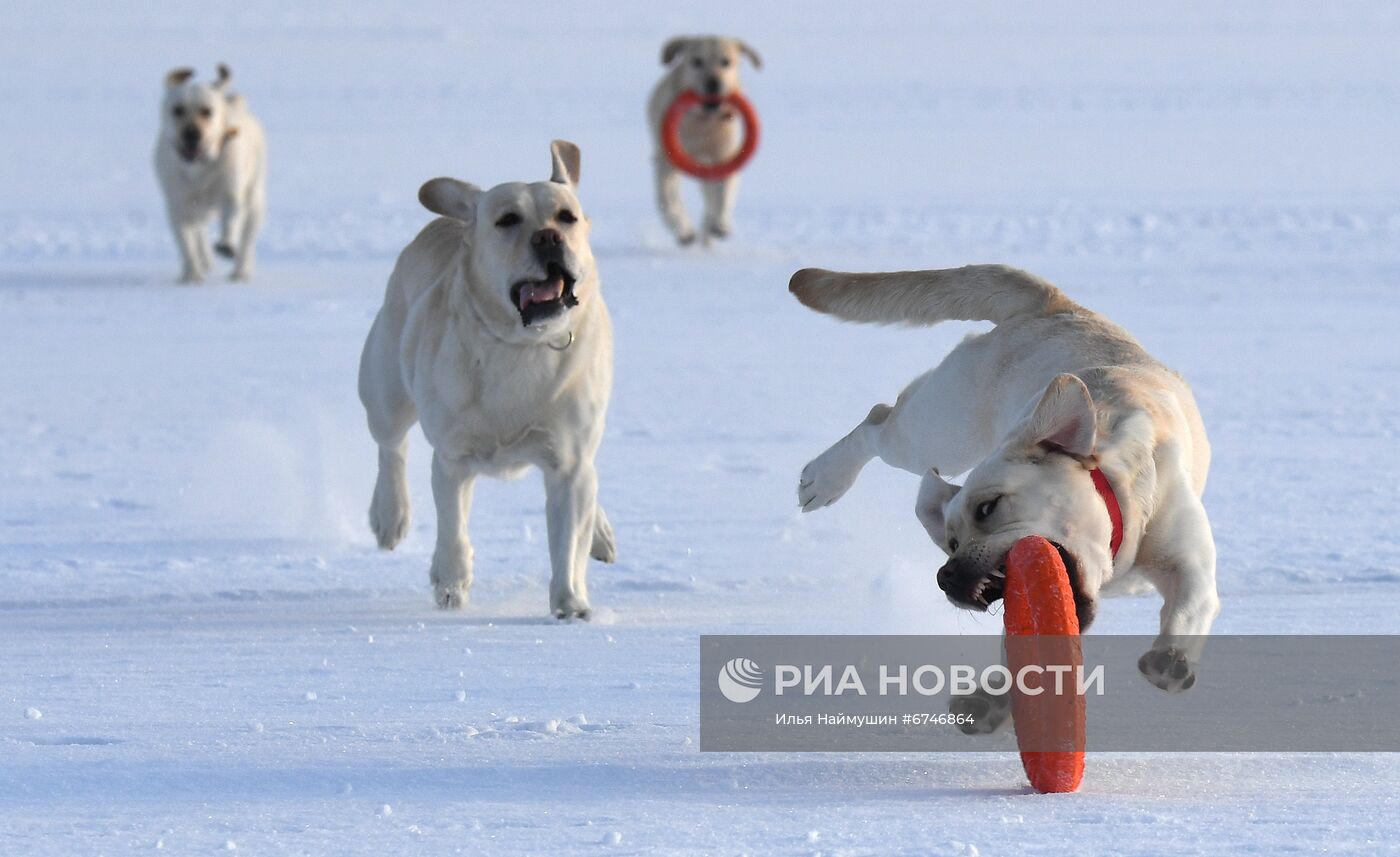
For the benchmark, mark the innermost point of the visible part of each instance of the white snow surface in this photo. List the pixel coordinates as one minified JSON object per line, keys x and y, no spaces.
{"x":188,"y":589}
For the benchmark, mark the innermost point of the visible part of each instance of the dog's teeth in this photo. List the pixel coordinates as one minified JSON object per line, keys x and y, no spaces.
{"x":999,"y":573}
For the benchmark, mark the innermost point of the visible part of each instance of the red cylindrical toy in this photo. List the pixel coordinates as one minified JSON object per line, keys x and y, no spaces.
{"x":1042,"y":629}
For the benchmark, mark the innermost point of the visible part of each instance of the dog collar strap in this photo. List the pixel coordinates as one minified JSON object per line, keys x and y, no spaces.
{"x":1115,"y":512}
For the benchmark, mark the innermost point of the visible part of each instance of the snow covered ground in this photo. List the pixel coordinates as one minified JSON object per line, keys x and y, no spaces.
{"x":200,"y":648}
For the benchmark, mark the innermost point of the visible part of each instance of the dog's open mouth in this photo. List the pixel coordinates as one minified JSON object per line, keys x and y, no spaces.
{"x":992,"y":586}
{"x":188,"y":154}
{"x":540,"y":300}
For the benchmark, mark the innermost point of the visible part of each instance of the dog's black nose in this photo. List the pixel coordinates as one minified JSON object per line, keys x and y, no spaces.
{"x":546,"y":239}
{"x":945,"y":576}
{"x":712,"y":86}
{"x":190,"y":136}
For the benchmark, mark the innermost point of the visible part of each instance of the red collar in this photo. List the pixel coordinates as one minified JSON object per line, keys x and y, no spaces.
{"x":1115,"y":512}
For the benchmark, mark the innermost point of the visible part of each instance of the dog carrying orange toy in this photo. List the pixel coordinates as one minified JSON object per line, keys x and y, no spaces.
{"x":1042,"y":629}
{"x":676,"y":153}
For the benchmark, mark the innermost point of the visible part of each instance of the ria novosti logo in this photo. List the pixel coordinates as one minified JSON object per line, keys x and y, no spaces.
{"x":740,"y":680}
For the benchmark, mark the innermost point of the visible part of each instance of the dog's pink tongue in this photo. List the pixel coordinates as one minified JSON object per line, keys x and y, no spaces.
{"x":539,"y":293}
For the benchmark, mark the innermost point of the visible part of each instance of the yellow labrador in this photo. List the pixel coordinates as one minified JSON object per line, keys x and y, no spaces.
{"x":1070,"y":429}
{"x":708,"y":65}
{"x":211,"y":158}
{"x":493,"y":336}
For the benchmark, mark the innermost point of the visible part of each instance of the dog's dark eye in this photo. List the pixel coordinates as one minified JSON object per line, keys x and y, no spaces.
{"x":985,"y":509}
{"x":567,"y":216}
{"x":507,"y":220}
{"x":952,"y":546}
{"x":178,"y":112}
{"x":205,"y":112}
{"x":725,"y":62}
{"x":698,"y":63}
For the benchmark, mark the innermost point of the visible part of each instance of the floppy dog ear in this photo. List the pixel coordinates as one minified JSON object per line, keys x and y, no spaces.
{"x":747,"y":50}
{"x":934,"y":494}
{"x":224,"y":75}
{"x":450,"y":198}
{"x":1063,"y":420}
{"x":566,"y":162}
{"x":671,"y":49}
{"x":178,"y":76}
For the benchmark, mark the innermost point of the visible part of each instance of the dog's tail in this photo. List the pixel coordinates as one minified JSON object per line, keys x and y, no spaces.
{"x":995,"y":293}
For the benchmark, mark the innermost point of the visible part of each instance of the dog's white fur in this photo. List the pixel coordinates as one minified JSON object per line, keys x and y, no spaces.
{"x":710,"y":66}
{"x":450,"y":349}
{"x":1051,"y":391}
{"x":211,"y":158}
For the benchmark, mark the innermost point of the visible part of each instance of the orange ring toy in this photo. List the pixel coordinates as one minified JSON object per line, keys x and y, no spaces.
{"x":1042,"y":628}
{"x":671,"y":135}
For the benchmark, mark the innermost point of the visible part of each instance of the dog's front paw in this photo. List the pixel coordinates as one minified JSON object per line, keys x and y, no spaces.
{"x":981,"y":712}
{"x":569,"y":606}
{"x":451,"y":596}
{"x":225,"y":249}
{"x":191,"y":278}
{"x":686,"y":238}
{"x":719,"y":230}
{"x":241,"y":275}
{"x":452,"y":579}
{"x":1168,"y":669}
{"x":824,"y":480}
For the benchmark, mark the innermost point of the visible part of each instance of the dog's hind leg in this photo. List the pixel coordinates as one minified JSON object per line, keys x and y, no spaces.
{"x":938,"y":422}
{"x":604,"y":547}
{"x":832,"y":473}
{"x":668,"y":200}
{"x":451,"y":572}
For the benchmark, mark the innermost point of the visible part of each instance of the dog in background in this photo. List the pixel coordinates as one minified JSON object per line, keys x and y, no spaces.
{"x":211,"y":158}
{"x":493,"y":336}
{"x":1062,"y":418}
{"x":711,"y":133}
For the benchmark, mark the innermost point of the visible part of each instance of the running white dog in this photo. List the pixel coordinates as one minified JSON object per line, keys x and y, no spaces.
{"x":494,"y":336}
{"x":708,"y":65}
{"x":211,"y":158}
{"x":1071,"y":431}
